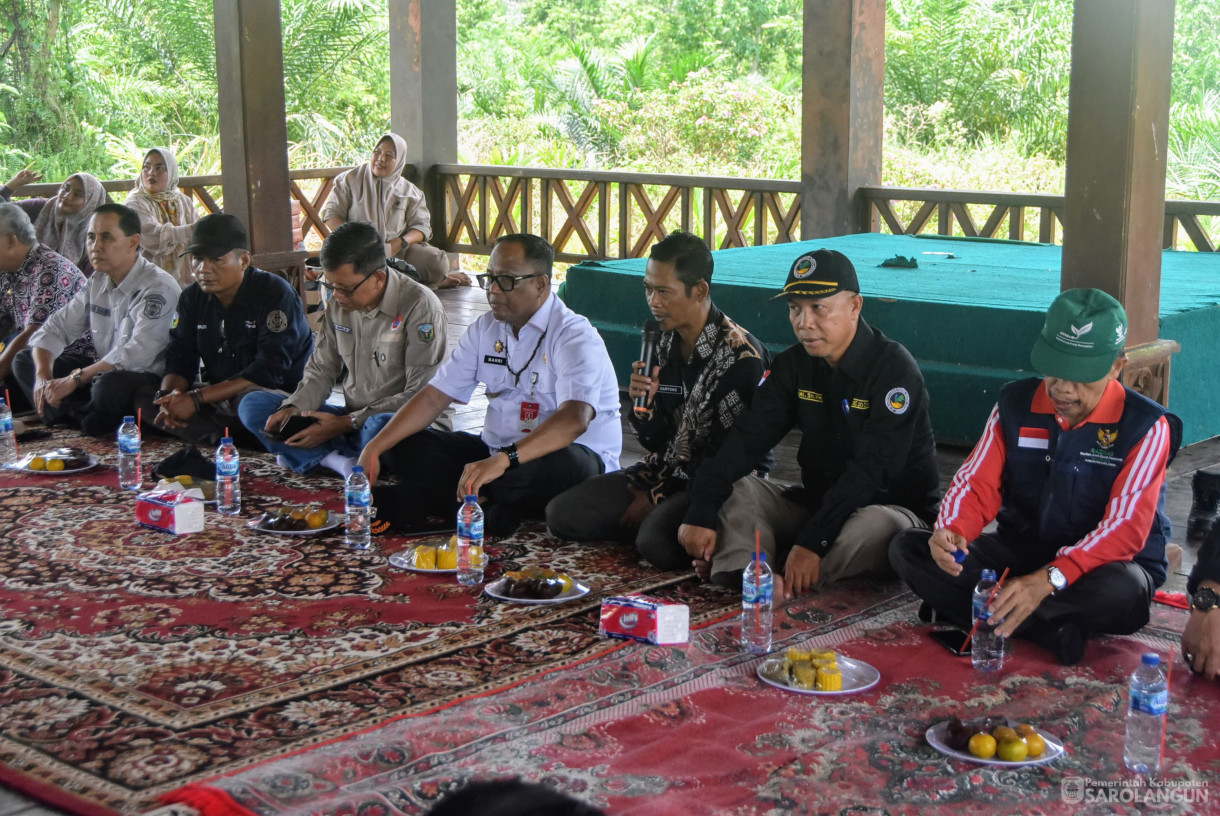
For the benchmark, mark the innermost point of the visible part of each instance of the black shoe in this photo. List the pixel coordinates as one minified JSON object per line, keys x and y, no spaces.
{"x":926,"y":613}
{"x":1205,"y":487}
{"x":1065,"y":641}
{"x":500,"y":520}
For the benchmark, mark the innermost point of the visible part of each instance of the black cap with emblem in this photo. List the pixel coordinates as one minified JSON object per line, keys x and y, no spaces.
{"x":819,"y":274}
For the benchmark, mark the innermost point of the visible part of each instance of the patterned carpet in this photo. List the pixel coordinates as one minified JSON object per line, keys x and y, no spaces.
{"x":134,"y":662}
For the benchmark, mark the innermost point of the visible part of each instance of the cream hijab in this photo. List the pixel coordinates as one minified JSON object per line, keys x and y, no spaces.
{"x":65,"y":234}
{"x":375,"y":199}
{"x":167,"y":204}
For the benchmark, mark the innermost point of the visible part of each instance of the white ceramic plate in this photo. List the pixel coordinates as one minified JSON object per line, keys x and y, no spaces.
{"x":936,"y":738}
{"x":578,"y":590}
{"x":93,"y":460}
{"x":406,"y":560}
{"x":857,"y":676}
{"x":333,"y":521}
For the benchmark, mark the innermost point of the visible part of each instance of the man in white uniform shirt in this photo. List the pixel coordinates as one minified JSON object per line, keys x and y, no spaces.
{"x":127,"y":306}
{"x":552,"y":415}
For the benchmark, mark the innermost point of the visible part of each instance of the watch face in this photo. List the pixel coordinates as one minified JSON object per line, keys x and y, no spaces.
{"x":1204,"y":599}
{"x":1057,"y":578}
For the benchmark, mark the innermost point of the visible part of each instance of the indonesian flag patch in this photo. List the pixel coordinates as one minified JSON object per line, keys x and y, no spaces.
{"x":1039,"y":438}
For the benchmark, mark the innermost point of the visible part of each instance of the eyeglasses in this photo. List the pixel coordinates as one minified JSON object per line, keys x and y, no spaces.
{"x":506,"y":282}
{"x":343,"y":290}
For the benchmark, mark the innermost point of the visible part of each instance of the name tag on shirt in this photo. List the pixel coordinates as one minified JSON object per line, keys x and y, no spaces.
{"x":99,"y":310}
{"x":343,"y":329}
{"x":491,"y":359}
{"x":671,"y":389}
{"x":1038,"y":438}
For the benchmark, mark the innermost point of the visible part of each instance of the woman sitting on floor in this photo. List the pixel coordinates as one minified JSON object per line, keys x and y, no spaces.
{"x":167,"y":215}
{"x":376,"y":192}
{"x":60,"y":222}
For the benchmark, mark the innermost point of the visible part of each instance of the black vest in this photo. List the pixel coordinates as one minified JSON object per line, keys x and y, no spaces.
{"x":1056,"y":492}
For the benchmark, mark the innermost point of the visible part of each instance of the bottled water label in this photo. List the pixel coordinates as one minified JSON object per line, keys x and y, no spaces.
{"x":226,"y":468}
{"x":471,"y":531}
{"x":359,"y":498}
{"x":129,"y":444}
{"x":752,"y":593}
{"x":1146,"y":702}
{"x":6,"y":424}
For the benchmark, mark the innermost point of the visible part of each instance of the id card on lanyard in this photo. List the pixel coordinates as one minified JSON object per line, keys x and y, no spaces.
{"x":527,"y":420}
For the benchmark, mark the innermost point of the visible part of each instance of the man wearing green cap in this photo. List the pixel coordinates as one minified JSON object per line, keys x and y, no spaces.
{"x":867,"y":456}
{"x":1071,"y":466}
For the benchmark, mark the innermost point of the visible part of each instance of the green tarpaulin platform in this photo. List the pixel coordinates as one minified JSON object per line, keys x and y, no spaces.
{"x":969,"y":313}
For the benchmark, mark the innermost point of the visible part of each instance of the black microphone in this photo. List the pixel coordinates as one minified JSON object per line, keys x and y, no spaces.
{"x":648,"y":353}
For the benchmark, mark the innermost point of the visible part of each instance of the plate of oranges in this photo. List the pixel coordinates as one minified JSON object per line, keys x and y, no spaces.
{"x":58,"y":462}
{"x":297,"y":521}
{"x":994,"y":741}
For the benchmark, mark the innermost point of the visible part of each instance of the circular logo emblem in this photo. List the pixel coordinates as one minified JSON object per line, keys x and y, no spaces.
{"x":154,"y":304}
{"x":898,"y":400}
{"x":277,"y":321}
{"x":804,"y":268}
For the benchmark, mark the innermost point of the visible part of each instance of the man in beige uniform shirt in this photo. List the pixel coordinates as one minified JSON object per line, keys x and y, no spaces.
{"x":389,"y":333}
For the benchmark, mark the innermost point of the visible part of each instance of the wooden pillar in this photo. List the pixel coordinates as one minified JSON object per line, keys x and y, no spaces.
{"x":423,"y":92}
{"x":842,"y":113}
{"x":1118,"y":124}
{"x":253,"y":129}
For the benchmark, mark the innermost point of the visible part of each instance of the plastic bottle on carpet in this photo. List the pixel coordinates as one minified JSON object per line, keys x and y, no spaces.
{"x":1145,"y":716}
{"x":358,"y":500}
{"x":228,"y":478}
{"x":757,"y":589}
{"x":470,"y":542}
{"x":129,"y":454}
{"x":8,"y":440}
{"x":986,"y":647}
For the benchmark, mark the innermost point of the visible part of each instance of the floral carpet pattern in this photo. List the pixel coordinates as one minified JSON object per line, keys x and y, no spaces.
{"x":691,"y":730}
{"x":133,"y":662}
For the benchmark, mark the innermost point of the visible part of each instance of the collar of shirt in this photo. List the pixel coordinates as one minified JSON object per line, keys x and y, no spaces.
{"x":392,"y":294}
{"x":540,"y":319}
{"x":1109,"y":408}
{"x":132,"y":282}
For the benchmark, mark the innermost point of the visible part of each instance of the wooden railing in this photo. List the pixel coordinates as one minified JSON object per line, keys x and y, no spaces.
{"x":605,"y":214}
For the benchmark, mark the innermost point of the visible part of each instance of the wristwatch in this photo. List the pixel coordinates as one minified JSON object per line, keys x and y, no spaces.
{"x":1058,"y":580}
{"x":76,"y":377}
{"x":511,"y":452}
{"x":354,"y":423}
{"x":1205,"y":599}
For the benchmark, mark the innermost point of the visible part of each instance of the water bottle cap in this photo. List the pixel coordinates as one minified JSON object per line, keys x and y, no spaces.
{"x":1151,"y":659}
{"x":228,"y":440}
{"x":2,"y":405}
{"x":988,"y":575}
{"x":472,"y":497}
{"x":357,"y":469}
{"x":762,"y":558}
{"x":127,"y":419}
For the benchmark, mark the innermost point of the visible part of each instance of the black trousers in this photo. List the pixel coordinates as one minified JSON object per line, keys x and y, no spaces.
{"x":99,"y":407}
{"x":1112,"y":599}
{"x":429,"y":464}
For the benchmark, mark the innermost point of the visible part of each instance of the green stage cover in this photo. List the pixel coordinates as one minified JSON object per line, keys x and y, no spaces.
{"x":969,"y":313}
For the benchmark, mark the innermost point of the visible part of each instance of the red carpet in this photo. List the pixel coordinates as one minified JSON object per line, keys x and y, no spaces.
{"x":135,"y":662}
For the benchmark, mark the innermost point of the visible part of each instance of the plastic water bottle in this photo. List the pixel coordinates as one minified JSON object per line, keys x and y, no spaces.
{"x":129,"y":454}
{"x":986,"y":647}
{"x":8,"y":440}
{"x":228,"y":478}
{"x":470,"y":542}
{"x":757,"y":591}
{"x":358,"y":501}
{"x":1145,"y":716}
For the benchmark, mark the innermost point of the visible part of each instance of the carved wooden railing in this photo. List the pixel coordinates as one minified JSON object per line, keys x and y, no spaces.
{"x":1018,"y":216}
{"x":606,"y":214}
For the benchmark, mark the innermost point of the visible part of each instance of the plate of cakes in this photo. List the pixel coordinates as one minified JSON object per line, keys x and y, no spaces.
{"x":817,"y":671}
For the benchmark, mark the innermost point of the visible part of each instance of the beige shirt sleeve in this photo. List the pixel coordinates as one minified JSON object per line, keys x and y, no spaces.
{"x":339,"y":202}
{"x":415,"y":212}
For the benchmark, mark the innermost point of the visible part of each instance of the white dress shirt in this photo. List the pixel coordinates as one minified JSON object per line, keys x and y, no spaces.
{"x":569,"y":362}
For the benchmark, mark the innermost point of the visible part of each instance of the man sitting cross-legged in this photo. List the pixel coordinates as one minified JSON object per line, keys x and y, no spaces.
{"x":552,"y":406}
{"x":382,"y":332}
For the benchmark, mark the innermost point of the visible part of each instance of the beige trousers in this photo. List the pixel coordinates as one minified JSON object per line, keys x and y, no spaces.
{"x":862,"y":547}
{"x":431,"y":263}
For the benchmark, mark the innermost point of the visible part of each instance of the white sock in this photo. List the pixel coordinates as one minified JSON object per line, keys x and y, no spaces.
{"x":282,"y":462}
{"x":339,"y":463}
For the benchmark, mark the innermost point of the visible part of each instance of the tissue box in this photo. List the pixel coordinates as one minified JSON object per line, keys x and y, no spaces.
{"x":650,"y":620}
{"x":173,"y":511}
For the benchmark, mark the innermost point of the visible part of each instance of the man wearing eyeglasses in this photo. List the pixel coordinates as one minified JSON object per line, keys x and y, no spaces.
{"x":552,"y":406}
{"x":382,"y":338}
{"x":246,"y":326}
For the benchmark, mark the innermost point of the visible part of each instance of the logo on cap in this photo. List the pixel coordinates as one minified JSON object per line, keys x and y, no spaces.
{"x":804,"y":268}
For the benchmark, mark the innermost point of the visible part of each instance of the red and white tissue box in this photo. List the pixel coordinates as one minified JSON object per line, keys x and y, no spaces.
{"x":173,"y":511}
{"x":647,"y":619}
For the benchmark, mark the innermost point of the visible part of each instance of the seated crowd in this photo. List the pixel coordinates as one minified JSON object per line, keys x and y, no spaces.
{"x":1066,"y":487}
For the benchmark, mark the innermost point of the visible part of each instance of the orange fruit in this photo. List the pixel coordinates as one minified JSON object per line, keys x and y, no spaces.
{"x":55,"y":464}
{"x":982,"y":745}
{"x":38,"y":463}
{"x":297,"y":513}
{"x":1003,"y":732}
{"x":316,"y":518}
{"x":1013,"y":749}
{"x":1036,"y":744}
{"x":1025,"y":729}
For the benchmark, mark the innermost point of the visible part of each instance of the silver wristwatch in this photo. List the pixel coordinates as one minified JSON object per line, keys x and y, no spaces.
{"x":1058,"y":580}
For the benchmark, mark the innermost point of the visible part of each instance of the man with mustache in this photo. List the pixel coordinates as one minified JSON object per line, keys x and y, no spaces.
{"x":1072,"y":467}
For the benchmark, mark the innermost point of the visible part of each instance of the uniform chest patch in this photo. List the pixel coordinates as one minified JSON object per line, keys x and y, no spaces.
{"x":808,"y":396}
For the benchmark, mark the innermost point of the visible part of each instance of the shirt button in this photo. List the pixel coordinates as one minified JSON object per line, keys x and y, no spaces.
{"x":1048,"y":458}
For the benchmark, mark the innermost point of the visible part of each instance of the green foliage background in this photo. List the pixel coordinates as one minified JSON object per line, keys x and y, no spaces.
{"x":976,"y":90}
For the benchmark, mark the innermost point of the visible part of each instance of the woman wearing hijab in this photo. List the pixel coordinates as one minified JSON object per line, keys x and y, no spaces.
{"x":61,"y":222}
{"x":167,"y":215}
{"x":377,"y":193}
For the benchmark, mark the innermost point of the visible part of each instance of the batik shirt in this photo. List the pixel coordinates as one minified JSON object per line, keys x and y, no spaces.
{"x":45,"y":283}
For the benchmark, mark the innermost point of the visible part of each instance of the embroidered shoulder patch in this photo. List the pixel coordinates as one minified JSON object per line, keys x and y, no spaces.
{"x":277,"y":321}
{"x":898,"y":400}
{"x":426,"y":332}
{"x":173,"y":321}
{"x":154,"y":304}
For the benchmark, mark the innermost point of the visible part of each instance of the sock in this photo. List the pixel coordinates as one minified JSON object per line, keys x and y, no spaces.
{"x":339,"y":463}
{"x":282,"y":462}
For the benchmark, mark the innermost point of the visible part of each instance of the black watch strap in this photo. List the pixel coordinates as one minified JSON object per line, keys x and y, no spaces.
{"x":511,"y":452}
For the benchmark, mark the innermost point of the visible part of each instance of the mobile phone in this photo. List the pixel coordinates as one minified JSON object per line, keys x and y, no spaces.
{"x":291,"y":428}
{"x":952,"y":639}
